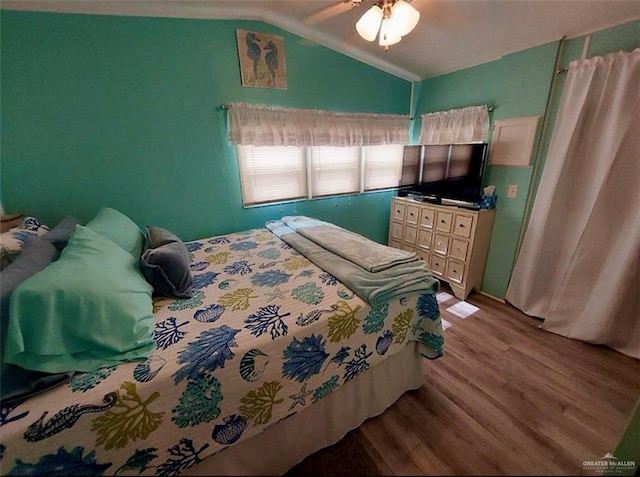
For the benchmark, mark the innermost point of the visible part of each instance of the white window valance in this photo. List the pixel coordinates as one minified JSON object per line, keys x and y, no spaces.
{"x":469,"y":124}
{"x":257,"y":125}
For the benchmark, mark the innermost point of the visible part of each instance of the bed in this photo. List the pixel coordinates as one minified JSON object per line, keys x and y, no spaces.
{"x":271,"y":359}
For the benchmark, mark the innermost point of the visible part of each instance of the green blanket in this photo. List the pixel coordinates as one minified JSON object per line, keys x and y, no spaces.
{"x":396,"y":275}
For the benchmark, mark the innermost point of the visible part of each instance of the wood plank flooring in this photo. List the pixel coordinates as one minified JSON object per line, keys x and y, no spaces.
{"x":506,"y":399}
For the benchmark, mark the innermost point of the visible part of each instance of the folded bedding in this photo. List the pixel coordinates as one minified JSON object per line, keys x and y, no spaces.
{"x":370,"y":255}
{"x":375,"y":272}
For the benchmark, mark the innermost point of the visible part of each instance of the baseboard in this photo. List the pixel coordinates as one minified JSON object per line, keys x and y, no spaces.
{"x":501,"y":300}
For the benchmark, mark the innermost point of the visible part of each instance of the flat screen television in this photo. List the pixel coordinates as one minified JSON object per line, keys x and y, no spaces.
{"x":452,"y":171}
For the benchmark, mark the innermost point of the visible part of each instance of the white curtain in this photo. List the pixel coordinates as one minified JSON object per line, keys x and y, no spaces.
{"x":469,"y":124}
{"x":258,"y":125}
{"x":579,"y":263}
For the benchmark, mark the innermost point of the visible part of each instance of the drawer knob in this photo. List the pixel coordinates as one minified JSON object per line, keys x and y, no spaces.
{"x":442,"y":221}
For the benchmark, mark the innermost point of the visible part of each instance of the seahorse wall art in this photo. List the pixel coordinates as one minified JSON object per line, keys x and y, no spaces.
{"x":262,"y":60}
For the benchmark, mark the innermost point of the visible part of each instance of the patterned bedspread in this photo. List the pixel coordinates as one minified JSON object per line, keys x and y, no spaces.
{"x":266,"y":334}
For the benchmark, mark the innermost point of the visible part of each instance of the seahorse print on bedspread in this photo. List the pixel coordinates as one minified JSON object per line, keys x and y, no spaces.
{"x":65,"y":419}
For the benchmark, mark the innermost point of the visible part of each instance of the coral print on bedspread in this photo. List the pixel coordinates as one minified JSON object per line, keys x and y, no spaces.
{"x":265,"y":334}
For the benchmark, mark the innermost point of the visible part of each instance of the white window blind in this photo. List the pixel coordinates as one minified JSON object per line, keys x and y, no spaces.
{"x":335,"y":170}
{"x":382,"y":166}
{"x":272,"y":173}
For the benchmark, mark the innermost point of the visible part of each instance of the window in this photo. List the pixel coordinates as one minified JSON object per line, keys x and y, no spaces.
{"x":382,"y":166}
{"x":280,"y":173}
{"x":289,"y":154}
{"x":272,"y":173}
{"x":335,"y":170}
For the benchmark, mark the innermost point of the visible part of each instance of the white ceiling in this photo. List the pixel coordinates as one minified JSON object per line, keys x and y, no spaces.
{"x":451,"y":34}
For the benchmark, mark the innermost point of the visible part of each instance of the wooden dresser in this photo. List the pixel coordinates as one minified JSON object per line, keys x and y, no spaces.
{"x":454,"y":241}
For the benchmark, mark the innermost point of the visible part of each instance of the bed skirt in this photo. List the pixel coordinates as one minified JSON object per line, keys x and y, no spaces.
{"x":281,"y":446}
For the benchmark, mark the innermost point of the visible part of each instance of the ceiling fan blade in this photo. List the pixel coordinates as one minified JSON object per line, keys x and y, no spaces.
{"x":329,"y":12}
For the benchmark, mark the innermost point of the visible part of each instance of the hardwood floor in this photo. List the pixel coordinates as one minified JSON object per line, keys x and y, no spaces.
{"x":506,"y":399}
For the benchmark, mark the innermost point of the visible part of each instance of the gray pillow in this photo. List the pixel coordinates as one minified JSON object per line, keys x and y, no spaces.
{"x":166,"y":264}
{"x":17,"y":383}
{"x":61,"y":233}
{"x":35,"y":256}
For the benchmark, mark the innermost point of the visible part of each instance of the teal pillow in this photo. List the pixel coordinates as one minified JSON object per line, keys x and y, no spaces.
{"x":90,"y":309}
{"x":120,"y":229}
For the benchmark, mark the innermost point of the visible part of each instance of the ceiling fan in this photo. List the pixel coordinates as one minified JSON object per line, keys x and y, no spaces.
{"x":392,"y":19}
{"x":332,"y":10}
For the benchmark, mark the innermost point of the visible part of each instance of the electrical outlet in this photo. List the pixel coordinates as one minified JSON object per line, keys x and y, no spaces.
{"x":512,"y":191}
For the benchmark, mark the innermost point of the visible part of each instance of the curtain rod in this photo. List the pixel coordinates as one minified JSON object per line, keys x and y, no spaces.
{"x":226,"y":106}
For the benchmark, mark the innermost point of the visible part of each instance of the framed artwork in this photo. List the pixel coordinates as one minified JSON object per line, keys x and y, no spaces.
{"x":262,"y":60}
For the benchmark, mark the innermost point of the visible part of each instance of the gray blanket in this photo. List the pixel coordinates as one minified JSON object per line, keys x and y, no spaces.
{"x":386,"y":274}
{"x":351,"y":246}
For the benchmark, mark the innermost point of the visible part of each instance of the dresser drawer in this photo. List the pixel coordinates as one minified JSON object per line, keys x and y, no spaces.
{"x":427,"y":217}
{"x":396,"y":230}
{"x":397,"y":211}
{"x":455,"y":271}
{"x":395,"y":244}
{"x":440,"y":243}
{"x":424,"y":238}
{"x":407,"y":247}
{"x":424,"y":255}
{"x":443,"y":221}
{"x":437,"y":264}
{"x":463,"y":225}
{"x":410,"y":234}
{"x":459,"y":249}
{"x":412,"y":214}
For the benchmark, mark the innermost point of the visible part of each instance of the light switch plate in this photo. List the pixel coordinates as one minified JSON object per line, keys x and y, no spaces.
{"x":512,"y":191}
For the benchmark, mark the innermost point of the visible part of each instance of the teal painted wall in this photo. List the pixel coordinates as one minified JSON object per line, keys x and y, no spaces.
{"x":516,"y":85}
{"x":125,"y":112}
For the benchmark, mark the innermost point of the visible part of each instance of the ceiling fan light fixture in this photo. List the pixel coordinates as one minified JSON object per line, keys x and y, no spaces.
{"x":369,"y":24}
{"x":388,"y":35}
{"x":391,"y":18}
{"x":404,"y":18}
